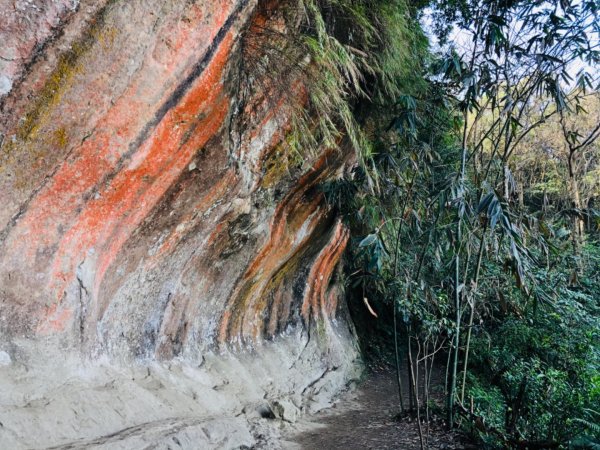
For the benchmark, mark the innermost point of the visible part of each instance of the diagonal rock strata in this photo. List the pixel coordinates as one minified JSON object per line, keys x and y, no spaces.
{"x":154,"y":219}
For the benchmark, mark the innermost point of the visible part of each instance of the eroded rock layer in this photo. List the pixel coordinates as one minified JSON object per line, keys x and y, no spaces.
{"x":154,"y":214}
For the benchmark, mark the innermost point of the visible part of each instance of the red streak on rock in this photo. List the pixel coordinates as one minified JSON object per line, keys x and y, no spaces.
{"x":243,"y":316}
{"x":275,"y":315}
{"x":108,"y":221}
{"x":57,"y":318}
{"x":315,"y":297}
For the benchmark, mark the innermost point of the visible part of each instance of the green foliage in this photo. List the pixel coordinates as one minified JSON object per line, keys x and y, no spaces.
{"x":360,"y":53}
{"x":454,"y":246}
{"x":534,"y":374}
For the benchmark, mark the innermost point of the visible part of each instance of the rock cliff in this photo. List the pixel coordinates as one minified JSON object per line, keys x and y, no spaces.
{"x":168,"y":264}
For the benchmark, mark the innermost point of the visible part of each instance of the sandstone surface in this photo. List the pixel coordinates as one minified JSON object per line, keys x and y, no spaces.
{"x":168,"y":266}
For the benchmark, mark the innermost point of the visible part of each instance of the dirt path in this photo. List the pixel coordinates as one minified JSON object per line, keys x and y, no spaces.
{"x":364,"y":419}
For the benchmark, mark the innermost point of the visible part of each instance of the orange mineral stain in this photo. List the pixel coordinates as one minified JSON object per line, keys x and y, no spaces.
{"x":108,"y":221}
{"x":316,"y":298}
{"x":119,"y":206}
{"x":286,"y":241}
{"x":56,"y":319}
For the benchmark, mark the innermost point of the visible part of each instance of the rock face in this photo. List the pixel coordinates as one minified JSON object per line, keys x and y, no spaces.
{"x":167,"y":265}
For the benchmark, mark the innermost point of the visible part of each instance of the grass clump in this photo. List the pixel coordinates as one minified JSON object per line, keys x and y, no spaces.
{"x":350,"y":58}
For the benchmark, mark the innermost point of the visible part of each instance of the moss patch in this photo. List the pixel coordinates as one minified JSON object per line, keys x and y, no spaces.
{"x":281,"y":162}
{"x":32,"y":136}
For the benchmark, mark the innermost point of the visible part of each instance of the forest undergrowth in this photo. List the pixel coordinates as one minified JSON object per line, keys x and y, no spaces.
{"x":473,"y":205}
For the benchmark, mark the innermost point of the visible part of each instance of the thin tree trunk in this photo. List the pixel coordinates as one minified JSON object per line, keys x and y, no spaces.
{"x":395,"y":272}
{"x":411,"y":390}
{"x":457,"y":294}
{"x":578,"y":223}
{"x":447,"y":377}
{"x":426,"y":390}
{"x":415,"y":390}
{"x":472,"y":313}
{"x":397,"y":361}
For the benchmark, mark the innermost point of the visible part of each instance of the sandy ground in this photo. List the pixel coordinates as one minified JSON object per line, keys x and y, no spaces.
{"x":365,"y":419}
{"x":220,"y":404}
